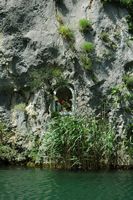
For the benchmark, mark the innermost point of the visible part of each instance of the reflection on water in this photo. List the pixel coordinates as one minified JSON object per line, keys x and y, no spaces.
{"x":37,"y":184}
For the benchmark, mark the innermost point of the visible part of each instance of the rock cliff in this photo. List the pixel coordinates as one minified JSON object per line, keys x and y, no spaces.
{"x":43,"y":48}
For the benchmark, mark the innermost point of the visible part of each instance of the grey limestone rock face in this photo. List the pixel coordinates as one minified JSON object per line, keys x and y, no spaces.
{"x":30,"y":41}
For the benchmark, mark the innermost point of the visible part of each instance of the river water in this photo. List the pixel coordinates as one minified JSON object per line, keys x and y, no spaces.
{"x":40,"y":184}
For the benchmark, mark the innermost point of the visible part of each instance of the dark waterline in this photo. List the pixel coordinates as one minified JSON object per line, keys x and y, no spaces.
{"x":39,"y":184}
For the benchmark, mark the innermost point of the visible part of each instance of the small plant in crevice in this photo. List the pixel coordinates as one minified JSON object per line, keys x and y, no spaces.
{"x":86,"y":57}
{"x":39,"y":77}
{"x":56,"y":72}
{"x":121,"y":98}
{"x":66,"y":33}
{"x":107,"y":41}
{"x":87,"y":62}
{"x":105,"y":37}
{"x":129,"y":81}
{"x":59,"y":19}
{"x":20,"y":107}
{"x":87,"y":47}
{"x":84,"y":25}
{"x":130,"y":23}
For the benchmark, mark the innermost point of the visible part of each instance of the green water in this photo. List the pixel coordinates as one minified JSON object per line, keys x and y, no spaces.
{"x":37,"y":184}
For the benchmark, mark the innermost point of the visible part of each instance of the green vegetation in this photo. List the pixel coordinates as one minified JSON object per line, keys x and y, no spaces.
{"x":130,"y":23}
{"x":56,"y":72}
{"x":84,"y":25}
{"x":121,"y":97}
{"x":107,"y":41}
{"x":105,"y":37}
{"x":66,"y":32}
{"x":20,"y":107}
{"x":81,"y":143}
{"x":70,"y":142}
{"x":86,"y":55}
{"x":38,"y":77}
{"x":2,"y":128}
{"x":87,"y":62}
{"x":73,"y":142}
{"x":6,"y":152}
{"x":127,"y":2}
{"x":87,"y":47}
{"x":129,"y":81}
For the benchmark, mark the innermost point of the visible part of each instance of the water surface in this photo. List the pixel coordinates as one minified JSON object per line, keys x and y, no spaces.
{"x":39,"y":184}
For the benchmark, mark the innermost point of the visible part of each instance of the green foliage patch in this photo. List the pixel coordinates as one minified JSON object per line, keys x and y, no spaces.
{"x":41,"y":76}
{"x":81,"y":143}
{"x":87,"y":47}
{"x":20,"y":107}
{"x":66,"y":32}
{"x":70,"y":142}
{"x":129,"y":81}
{"x":84,"y":25}
{"x":87,"y":62}
{"x":73,"y":142}
{"x":127,"y":3}
{"x":105,"y":37}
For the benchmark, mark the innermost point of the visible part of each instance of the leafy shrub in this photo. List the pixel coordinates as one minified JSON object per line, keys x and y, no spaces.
{"x":84,"y":25}
{"x":66,"y":32}
{"x":87,"y":47}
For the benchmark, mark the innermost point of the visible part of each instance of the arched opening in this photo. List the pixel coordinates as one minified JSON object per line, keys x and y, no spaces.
{"x":64,"y":100}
